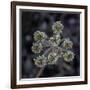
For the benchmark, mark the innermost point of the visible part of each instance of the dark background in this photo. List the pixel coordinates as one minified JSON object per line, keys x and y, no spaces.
{"x":31,"y":21}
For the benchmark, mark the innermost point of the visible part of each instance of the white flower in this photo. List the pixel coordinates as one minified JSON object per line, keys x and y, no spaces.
{"x":55,"y":40}
{"x":57,"y":27}
{"x":39,"y":36}
{"x":52,"y":48}
{"x":37,"y":47}
{"x":68,"y":56}
{"x":52,"y":58}
{"x":67,"y":44}
{"x":40,"y":61}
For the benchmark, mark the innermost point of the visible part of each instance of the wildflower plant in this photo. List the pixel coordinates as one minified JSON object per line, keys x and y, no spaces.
{"x":51,"y":49}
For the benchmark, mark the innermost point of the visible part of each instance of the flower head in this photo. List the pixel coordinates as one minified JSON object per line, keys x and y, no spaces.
{"x":57,"y":27}
{"x":52,"y":58}
{"x":55,"y":40}
{"x":37,"y":47}
{"x":67,"y":44}
{"x":40,"y":61}
{"x":68,"y":56}
{"x":39,"y":36}
{"x":52,"y":48}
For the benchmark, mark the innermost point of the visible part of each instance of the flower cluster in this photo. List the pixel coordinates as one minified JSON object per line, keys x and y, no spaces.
{"x":39,"y":36}
{"x":67,"y":43}
{"x":53,"y":47}
{"x":55,"y":40}
{"x":52,"y":58}
{"x":40,"y":61}
{"x":57,"y":27}
{"x":68,"y":56}
{"x":37,"y":47}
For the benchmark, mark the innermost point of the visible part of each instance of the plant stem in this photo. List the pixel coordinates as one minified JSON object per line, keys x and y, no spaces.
{"x":40,"y":71}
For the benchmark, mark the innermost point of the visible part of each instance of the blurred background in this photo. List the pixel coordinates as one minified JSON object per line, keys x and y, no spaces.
{"x":33,"y":20}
